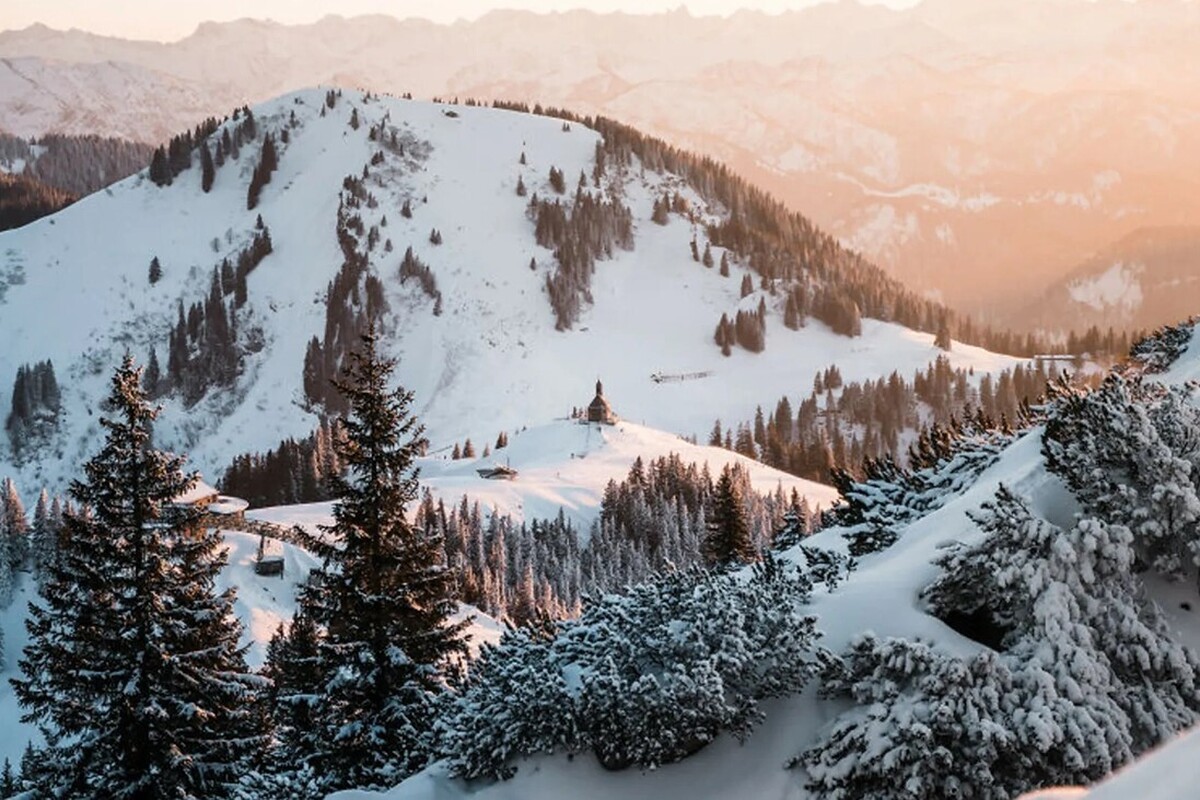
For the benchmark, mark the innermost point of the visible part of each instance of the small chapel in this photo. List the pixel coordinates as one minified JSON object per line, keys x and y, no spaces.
{"x":599,"y":410}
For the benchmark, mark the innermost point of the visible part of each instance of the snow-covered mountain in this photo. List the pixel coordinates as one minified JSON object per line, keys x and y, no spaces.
{"x":980,"y":150}
{"x":908,"y":723}
{"x":476,"y":335}
{"x":1147,"y":279}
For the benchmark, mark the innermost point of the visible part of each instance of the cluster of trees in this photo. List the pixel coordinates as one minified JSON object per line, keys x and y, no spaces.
{"x":841,"y":426}
{"x":1061,"y":611}
{"x":413,"y":267}
{"x":167,"y":162}
{"x":353,"y":299}
{"x":204,"y":348}
{"x":36,"y":401}
{"x":748,"y":329}
{"x":1156,"y":351}
{"x":360,"y":673}
{"x":294,"y":472}
{"x":662,"y":671}
{"x":134,"y":673}
{"x":661,"y":213}
{"x":268,"y":161}
{"x":75,"y":164}
{"x":665,"y":515}
{"x":786,"y":249}
{"x":588,"y":229}
{"x":23,"y":200}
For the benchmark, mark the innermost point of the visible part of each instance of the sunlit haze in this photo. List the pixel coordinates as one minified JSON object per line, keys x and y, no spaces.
{"x":167,"y":21}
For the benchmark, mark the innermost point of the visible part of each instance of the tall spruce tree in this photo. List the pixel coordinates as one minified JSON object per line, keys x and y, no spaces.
{"x":133,"y":671}
{"x":728,"y":539}
{"x":14,"y":526}
{"x":384,"y":597}
{"x":208,"y":172}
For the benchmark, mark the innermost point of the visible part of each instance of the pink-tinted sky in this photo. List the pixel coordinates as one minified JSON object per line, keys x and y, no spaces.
{"x":167,"y":20}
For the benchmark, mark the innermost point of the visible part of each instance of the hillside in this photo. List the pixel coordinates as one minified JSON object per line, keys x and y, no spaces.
{"x":932,"y":702}
{"x":907,"y":134}
{"x":1145,"y":280}
{"x":472,"y":324}
{"x":566,"y":465}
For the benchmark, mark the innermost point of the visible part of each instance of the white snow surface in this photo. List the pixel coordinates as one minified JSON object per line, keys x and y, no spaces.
{"x":1117,"y":288}
{"x":564,"y":464}
{"x":74,"y":289}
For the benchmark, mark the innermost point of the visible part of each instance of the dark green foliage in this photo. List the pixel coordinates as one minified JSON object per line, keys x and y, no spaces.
{"x":728,"y":539}
{"x":208,"y":171}
{"x":36,"y":401}
{"x":267,"y":163}
{"x":156,"y":271}
{"x":205,"y":347}
{"x":926,"y":726}
{"x":160,"y":172}
{"x":294,"y":472}
{"x":413,"y":267}
{"x":590,"y":228}
{"x":73,"y":165}
{"x":133,"y":672}
{"x":1158,"y":350}
{"x":354,"y":298}
{"x":942,"y":340}
{"x":24,"y":199}
{"x":383,"y":599}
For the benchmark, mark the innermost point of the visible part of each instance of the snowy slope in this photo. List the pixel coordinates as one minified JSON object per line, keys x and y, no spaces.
{"x":262,"y":603}
{"x":73,"y":288}
{"x":881,"y":596}
{"x":565,"y":465}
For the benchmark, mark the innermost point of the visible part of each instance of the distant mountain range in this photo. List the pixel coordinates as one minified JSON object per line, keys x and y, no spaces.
{"x":977,"y":150}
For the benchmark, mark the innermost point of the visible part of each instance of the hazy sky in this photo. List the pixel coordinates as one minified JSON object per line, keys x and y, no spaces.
{"x":173,"y":19}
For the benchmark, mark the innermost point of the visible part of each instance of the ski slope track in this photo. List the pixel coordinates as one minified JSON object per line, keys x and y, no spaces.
{"x":74,"y":289}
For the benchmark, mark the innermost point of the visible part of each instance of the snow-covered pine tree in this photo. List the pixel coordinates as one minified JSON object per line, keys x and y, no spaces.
{"x":42,"y":534}
{"x":1079,"y":672}
{"x":647,"y":678}
{"x":133,"y":671}
{"x":294,"y":666}
{"x":383,"y":599}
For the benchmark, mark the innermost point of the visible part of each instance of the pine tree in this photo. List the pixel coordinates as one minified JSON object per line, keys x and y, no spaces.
{"x":14,"y":525}
{"x":43,"y":534}
{"x":208,"y":172}
{"x":942,"y":340}
{"x":384,"y":597}
{"x":8,"y":782}
{"x":728,"y":539}
{"x":133,"y":671}
{"x":160,"y":171}
{"x":156,"y":271}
